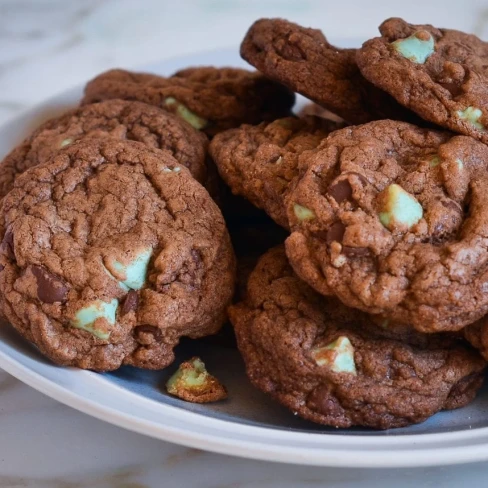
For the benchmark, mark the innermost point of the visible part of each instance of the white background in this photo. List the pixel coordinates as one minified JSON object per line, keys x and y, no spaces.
{"x":47,"y":46}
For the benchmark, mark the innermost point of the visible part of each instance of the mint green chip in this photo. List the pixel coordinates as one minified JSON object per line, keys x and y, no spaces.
{"x":399,"y":208}
{"x":303,"y":213}
{"x":185,"y":113}
{"x":135,"y":272}
{"x":434,"y":161}
{"x":338,"y":356}
{"x":417,"y":48}
{"x":65,"y":142}
{"x":471,"y":115}
{"x":190,"y":377}
{"x":85,"y":317}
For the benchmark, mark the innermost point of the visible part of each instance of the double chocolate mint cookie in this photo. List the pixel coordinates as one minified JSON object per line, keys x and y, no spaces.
{"x":112,"y":252}
{"x":440,"y":74}
{"x":117,"y":119}
{"x":210,"y":99}
{"x":334,"y":366}
{"x":393,"y":220}
{"x":260,"y":162}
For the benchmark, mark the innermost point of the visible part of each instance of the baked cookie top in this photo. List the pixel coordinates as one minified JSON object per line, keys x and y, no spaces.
{"x":392,"y":220}
{"x":303,"y":60}
{"x":260,"y":162}
{"x":440,"y":74}
{"x":334,"y":366}
{"x":112,"y":251}
{"x":210,"y":99}
{"x":115,"y":118}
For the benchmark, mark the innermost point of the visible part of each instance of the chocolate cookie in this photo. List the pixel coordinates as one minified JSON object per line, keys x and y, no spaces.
{"x":332,"y":365}
{"x":210,"y":99}
{"x":303,"y":60}
{"x":440,"y":74}
{"x":118,"y":119}
{"x":259,"y":162}
{"x":112,"y":252}
{"x":393,"y":220}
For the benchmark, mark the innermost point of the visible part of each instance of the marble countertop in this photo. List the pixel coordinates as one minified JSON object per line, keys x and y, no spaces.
{"x":47,"y":46}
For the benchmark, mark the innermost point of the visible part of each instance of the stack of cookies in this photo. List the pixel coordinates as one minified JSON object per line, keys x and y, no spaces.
{"x":122,"y":224}
{"x":112,"y":247}
{"x":361,"y":318}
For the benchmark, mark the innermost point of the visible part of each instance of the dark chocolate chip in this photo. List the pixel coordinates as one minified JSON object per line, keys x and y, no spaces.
{"x":50,"y":288}
{"x":7,"y":245}
{"x":340,"y":191}
{"x":453,"y":88}
{"x":322,"y":400}
{"x":1,"y":267}
{"x":353,"y":252}
{"x":131,"y":302}
{"x":335,"y":233}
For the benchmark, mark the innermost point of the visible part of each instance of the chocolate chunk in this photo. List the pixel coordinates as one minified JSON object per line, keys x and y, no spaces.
{"x":340,"y":191}
{"x":453,"y":88}
{"x":131,"y":302}
{"x":7,"y":245}
{"x":335,"y":233}
{"x":50,"y":288}
{"x":353,"y":252}
{"x":324,"y":402}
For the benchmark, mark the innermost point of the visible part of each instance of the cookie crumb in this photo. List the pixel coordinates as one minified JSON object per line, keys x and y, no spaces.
{"x":193,"y":383}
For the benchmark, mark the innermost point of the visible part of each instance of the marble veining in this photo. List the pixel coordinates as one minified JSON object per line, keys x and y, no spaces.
{"x":47,"y":46}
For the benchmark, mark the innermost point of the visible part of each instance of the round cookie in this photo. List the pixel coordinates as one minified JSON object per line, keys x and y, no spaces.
{"x":393,"y":220}
{"x":118,"y":119}
{"x":440,"y":74}
{"x":304,"y":61}
{"x":210,"y":99}
{"x":260,"y":162}
{"x":112,"y":252}
{"x":334,"y":366}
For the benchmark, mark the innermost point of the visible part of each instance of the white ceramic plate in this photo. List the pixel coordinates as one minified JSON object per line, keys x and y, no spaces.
{"x":249,"y":424}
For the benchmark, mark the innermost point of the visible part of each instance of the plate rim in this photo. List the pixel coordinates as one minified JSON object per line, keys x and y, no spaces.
{"x":355,"y":451}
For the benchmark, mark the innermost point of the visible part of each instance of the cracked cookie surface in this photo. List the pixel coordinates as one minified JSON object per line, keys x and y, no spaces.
{"x":440,"y":74}
{"x":334,"y":366}
{"x":112,"y":118}
{"x":392,"y":220}
{"x":210,"y":99}
{"x":112,"y":252}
